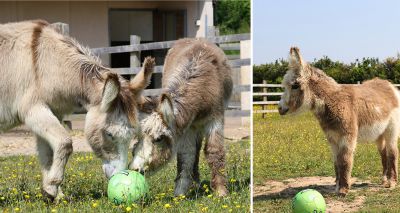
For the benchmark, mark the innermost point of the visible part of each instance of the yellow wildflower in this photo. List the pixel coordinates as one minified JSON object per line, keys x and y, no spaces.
{"x":167,"y":206}
{"x":128,"y":209}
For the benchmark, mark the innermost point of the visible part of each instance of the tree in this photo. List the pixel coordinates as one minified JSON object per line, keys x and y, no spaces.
{"x":232,"y":16}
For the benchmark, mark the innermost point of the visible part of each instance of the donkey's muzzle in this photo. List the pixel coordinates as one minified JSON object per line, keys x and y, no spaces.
{"x":141,"y":171}
{"x":282,"y":111}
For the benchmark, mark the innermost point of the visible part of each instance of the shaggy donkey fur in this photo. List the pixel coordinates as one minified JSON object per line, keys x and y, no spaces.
{"x":197,"y":86}
{"x":44,"y":76}
{"x":346,"y":113}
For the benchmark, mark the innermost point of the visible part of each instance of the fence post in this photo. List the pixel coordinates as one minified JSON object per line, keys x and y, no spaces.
{"x":265,"y":98}
{"x":245,"y":79}
{"x":135,"y":56}
{"x":63,"y":28}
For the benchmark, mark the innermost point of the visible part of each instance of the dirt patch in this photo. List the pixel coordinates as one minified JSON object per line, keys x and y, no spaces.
{"x":287,"y":189}
{"x":20,"y":141}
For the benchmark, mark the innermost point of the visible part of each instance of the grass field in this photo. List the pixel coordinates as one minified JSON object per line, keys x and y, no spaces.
{"x":294,"y":146}
{"x":85,"y":187}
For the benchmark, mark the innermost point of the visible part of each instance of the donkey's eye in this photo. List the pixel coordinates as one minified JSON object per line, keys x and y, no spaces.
{"x":109,"y":134}
{"x":158,"y":140}
{"x":295,"y":86}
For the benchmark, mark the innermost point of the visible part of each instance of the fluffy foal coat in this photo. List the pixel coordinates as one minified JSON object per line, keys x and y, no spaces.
{"x":44,"y":76}
{"x":347,"y":114}
{"x":197,"y":86}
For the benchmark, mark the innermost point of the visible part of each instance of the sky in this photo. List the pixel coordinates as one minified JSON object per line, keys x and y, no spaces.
{"x":343,"y":30}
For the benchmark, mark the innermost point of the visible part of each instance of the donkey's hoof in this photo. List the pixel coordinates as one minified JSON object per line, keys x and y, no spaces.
{"x":222,"y":191}
{"x":149,"y":63}
{"x":390,"y":184}
{"x":60,"y":196}
{"x":47,"y":197}
{"x":343,"y":192}
{"x":182,"y":186}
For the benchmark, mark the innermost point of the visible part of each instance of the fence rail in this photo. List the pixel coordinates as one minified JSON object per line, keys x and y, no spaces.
{"x":166,"y":44}
{"x":265,"y":103}
{"x":158,"y":69}
{"x":227,"y":42}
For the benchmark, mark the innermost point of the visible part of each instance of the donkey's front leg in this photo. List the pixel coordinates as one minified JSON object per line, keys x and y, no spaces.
{"x":186,"y":162}
{"x":55,"y":147}
{"x":215,"y":155}
{"x":335,"y":148}
{"x":345,"y":157}
{"x":196,"y":173}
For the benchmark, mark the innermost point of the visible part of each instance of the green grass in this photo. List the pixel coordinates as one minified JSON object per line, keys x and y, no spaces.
{"x":295,"y":146}
{"x":85,"y":186}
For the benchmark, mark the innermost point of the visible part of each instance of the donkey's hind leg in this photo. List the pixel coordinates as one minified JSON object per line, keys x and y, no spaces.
{"x":54,"y":143}
{"x":381,"y":144}
{"x":215,"y":155}
{"x":186,"y":162}
{"x":335,"y":148}
{"x":392,"y":155}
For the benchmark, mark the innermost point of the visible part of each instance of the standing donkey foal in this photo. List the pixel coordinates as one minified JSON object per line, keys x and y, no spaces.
{"x":197,"y":85}
{"x":44,"y":75}
{"x":346,"y":113}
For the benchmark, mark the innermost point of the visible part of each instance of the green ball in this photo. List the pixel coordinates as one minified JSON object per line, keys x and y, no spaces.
{"x":308,"y":201}
{"x":126,"y":187}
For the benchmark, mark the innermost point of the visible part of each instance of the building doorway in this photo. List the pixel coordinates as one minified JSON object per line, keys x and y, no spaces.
{"x":152,"y":26}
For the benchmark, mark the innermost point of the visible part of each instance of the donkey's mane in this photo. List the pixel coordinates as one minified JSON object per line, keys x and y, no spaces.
{"x":90,"y":67}
{"x":83,"y":58}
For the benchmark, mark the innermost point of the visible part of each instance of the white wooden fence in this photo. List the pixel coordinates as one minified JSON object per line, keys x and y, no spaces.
{"x":227,"y":42}
{"x":265,"y":94}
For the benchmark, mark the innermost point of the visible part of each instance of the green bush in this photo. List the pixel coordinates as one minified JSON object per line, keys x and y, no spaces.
{"x":358,"y":71}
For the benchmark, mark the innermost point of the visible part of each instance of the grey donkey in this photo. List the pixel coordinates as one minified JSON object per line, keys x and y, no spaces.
{"x":44,"y":76}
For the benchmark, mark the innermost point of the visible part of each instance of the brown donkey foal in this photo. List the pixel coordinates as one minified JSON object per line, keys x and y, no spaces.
{"x":197,"y":85}
{"x":346,"y":113}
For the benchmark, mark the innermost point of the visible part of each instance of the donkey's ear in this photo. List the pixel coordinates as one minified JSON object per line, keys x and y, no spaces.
{"x":142,"y":79}
{"x":166,"y":108}
{"x":296,"y":62}
{"x":148,"y":104}
{"x":110,"y":91}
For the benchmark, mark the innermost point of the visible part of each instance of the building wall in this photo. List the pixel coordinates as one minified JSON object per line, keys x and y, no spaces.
{"x":88,"y":21}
